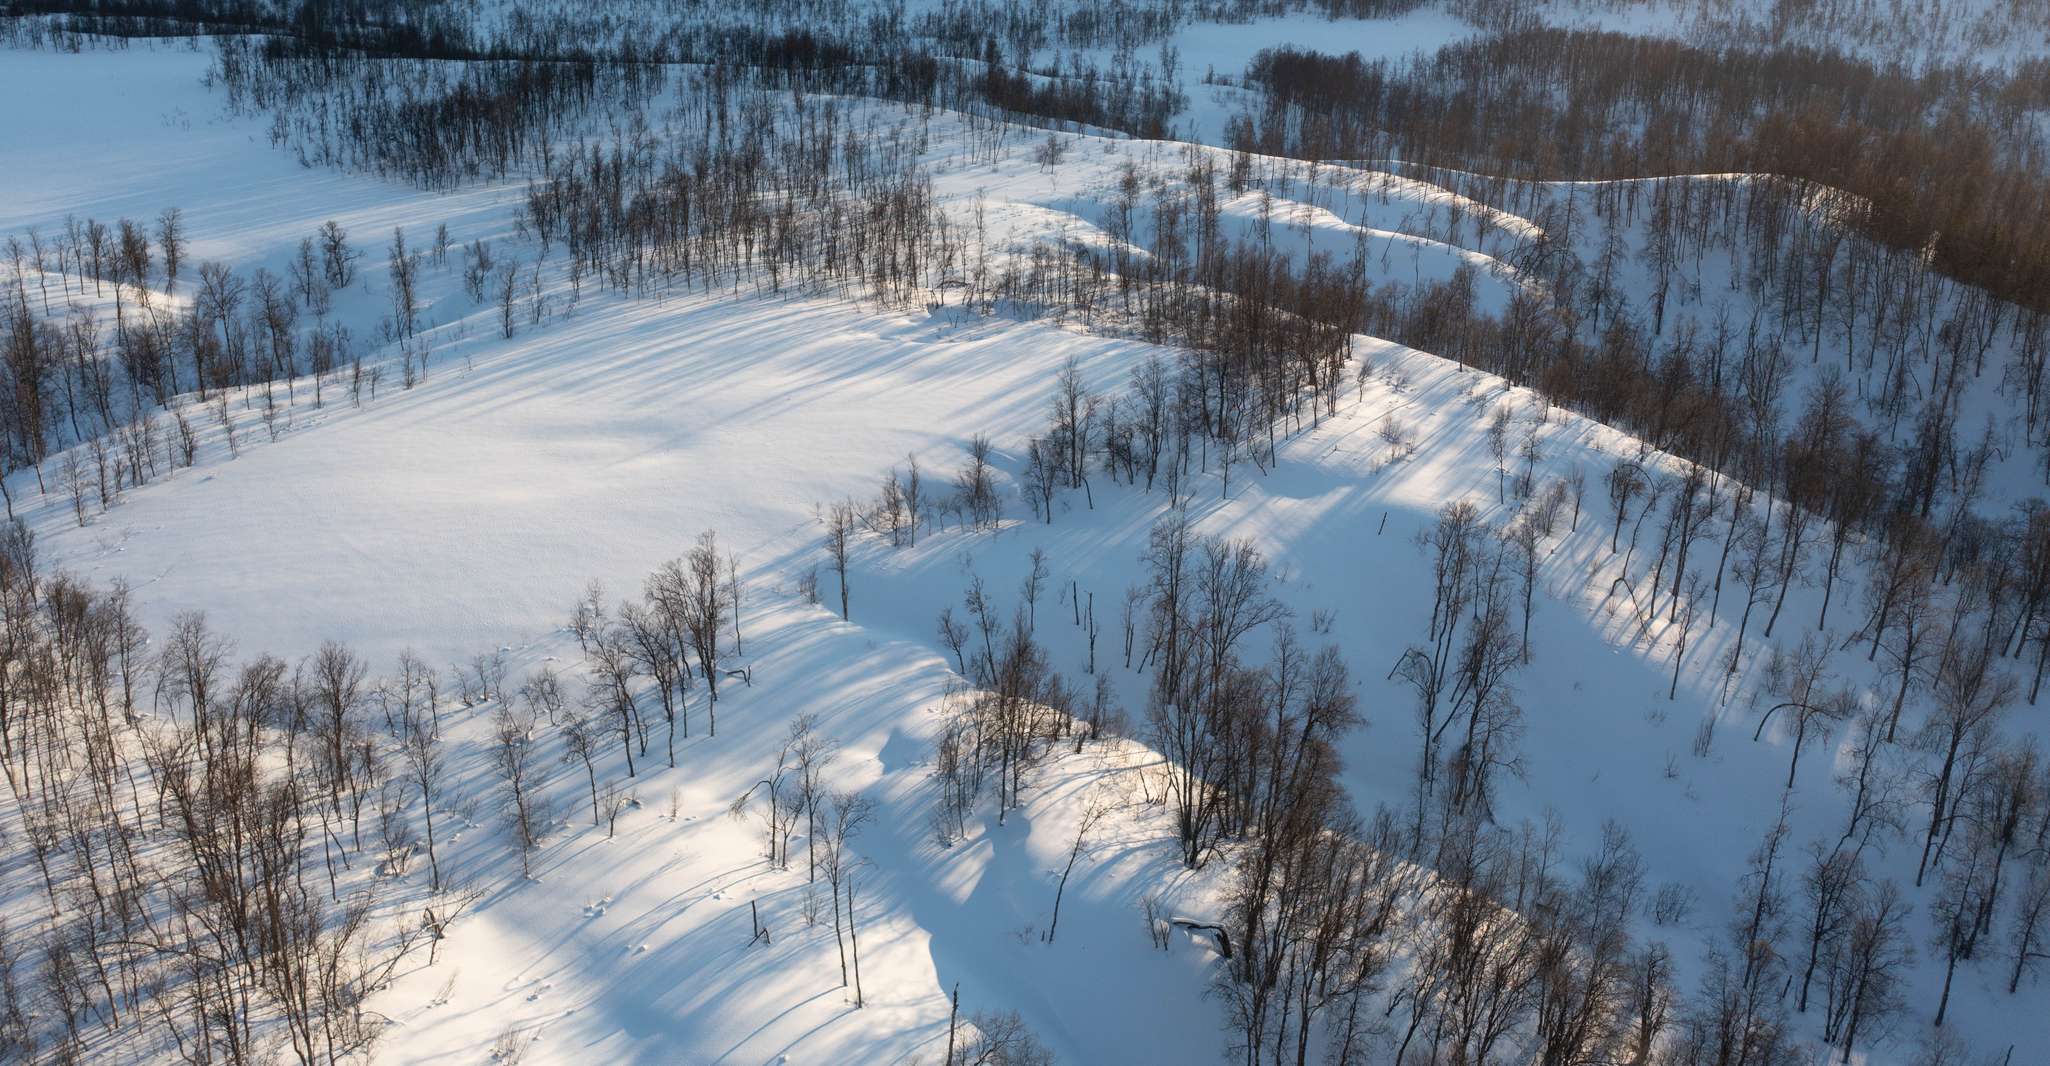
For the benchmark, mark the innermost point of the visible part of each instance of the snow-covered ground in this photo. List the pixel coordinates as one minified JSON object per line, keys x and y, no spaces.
{"x":467,"y":514}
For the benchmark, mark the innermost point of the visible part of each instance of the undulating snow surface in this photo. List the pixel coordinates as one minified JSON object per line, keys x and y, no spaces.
{"x":466,"y":514}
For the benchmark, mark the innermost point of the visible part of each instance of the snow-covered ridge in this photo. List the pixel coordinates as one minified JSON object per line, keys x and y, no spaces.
{"x":464,"y":515}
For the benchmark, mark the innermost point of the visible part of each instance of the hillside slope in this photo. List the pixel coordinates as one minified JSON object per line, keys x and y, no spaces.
{"x":464,"y":515}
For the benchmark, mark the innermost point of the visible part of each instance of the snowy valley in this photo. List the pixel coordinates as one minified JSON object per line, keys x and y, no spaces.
{"x":1014,"y":534}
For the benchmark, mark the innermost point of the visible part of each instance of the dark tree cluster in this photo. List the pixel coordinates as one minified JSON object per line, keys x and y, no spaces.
{"x":219,"y":846}
{"x":1942,"y":160}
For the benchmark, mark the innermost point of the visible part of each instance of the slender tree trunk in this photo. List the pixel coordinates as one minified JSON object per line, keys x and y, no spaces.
{"x":953,"y":1018}
{"x":854,"y":941}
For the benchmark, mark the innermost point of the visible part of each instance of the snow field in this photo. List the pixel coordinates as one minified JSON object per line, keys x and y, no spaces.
{"x":467,"y":513}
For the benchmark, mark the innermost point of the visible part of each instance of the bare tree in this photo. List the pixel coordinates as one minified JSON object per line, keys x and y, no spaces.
{"x":1833,"y":885}
{"x":1498,"y":446}
{"x":337,"y":260}
{"x":975,"y":487}
{"x":580,"y":741}
{"x":736,"y":589}
{"x":1625,"y":482}
{"x":955,"y":636}
{"x":171,"y":242}
{"x":522,"y":775}
{"x":913,"y":488}
{"x":587,"y":618}
{"x":707,"y":606}
{"x":1522,"y":540}
{"x":613,"y":670}
{"x":2030,"y":935}
{"x":1042,"y":476}
{"x":848,"y":812}
{"x":1031,"y":586}
{"x":1094,"y":810}
{"x":814,"y":753}
{"x":1970,"y":697}
{"x":1867,"y":985}
{"x":1001,"y":1039}
{"x":422,"y":753}
{"x":542,"y":694}
{"x":1954,"y":921}
{"x":404,"y":267}
{"x":508,"y":298}
{"x":840,"y":522}
{"x":1799,"y":681}
{"x":781,"y":800}
{"x":614,"y":803}
{"x":651,"y":641}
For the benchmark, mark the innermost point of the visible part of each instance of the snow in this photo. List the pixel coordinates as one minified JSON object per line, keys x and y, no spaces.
{"x":1213,"y":56}
{"x":467,"y":513}
{"x":1984,"y":34}
{"x":470,"y":511}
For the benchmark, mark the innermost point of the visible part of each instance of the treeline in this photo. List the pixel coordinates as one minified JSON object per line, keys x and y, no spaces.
{"x":664,"y":33}
{"x":1930,"y":34}
{"x":825,"y":197}
{"x":1272,"y":338}
{"x":1875,"y":446}
{"x":92,"y":407}
{"x":1945,"y":161}
{"x":392,"y":28}
{"x":439,"y":124}
{"x":461,"y":71}
{"x":983,"y":55}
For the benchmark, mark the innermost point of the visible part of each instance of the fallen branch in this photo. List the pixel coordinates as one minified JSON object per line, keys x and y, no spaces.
{"x":1223,"y":937}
